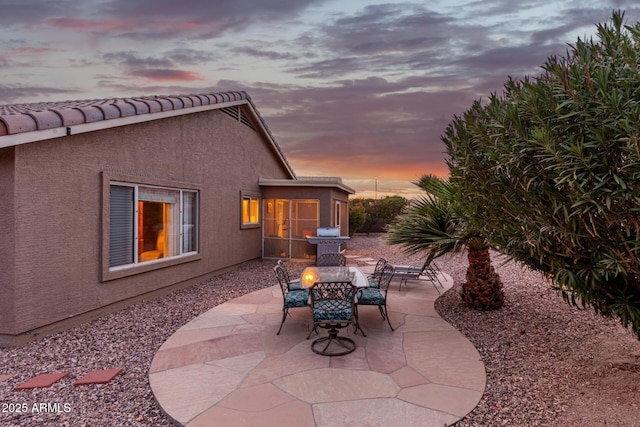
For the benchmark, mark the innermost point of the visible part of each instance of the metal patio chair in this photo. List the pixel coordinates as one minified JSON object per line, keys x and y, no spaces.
{"x":291,"y":298}
{"x":378,"y":295}
{"x":333,"y":308}
{"x":429,"y":271}
{"x":293,"y":285}
{"x":331,"y":260}
{"x":373,"y":277}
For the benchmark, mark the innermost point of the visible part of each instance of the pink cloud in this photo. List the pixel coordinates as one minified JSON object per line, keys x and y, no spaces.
{"x":26,"y":51}
{"x":167,"y":75}
{"x":133,"y":27}
{"x":85,"y":24}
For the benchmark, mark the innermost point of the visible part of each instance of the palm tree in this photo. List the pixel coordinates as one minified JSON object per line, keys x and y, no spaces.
{"x":435,"y":225}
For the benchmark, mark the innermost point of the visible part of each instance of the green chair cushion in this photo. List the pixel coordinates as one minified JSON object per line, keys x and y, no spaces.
{"x":294,"y":285}
{"x":297,"y":299}
{"x":370,"y":297}
{"x":339,"y":310}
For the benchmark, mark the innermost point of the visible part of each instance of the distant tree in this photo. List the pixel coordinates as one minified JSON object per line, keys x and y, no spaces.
{"x":435,"y":225}
{"x":356,"y":215}
{"x":373,"y":215}
{"x":550,"y":171}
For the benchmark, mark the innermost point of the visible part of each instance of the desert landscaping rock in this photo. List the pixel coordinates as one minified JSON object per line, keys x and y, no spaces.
{"x":547,"y":364}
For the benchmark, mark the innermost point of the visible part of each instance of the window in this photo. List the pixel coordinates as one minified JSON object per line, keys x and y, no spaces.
{"x":250,"y":210}
{"x":149,"y":223}
{"x":337,"y":214}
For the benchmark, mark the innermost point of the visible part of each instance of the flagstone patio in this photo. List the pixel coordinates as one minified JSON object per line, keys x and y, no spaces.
{"x":228,"y":367}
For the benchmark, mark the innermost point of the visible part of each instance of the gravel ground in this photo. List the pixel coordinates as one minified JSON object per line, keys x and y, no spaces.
{"x":547,"y":363}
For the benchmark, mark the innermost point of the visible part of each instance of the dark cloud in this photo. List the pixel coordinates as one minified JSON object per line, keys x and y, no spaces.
{"x":391,"y":38}
{"x":190,"y":56}
{"x":208,"y":19}
{"x":264,"y":53}
{"x":159,"y":69}
{"x":350,"y":93}
{"x":517,"y":61}
{"x":387,"y":29}
{"x":329,"y":68}
{"x":134,"y":60}
{"x":30,"y":12}
{"x":15,"y":93}
{"x":206,"y":10}
{"x":131,"y":59}
{"x":150,"y":19}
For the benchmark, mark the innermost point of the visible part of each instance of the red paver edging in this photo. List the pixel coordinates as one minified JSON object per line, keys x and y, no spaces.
{"x":42,"y":381}
{"x":98,"y":377}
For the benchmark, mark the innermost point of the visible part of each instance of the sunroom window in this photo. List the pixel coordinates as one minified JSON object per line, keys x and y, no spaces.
{"x":150,"y":223}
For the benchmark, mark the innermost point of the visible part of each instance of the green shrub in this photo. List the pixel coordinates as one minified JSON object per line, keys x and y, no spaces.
{"x":550,"y":170}
{"x":373,"y":215}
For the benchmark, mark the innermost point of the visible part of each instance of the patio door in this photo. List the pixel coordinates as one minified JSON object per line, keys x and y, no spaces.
{"x":286,"y":224}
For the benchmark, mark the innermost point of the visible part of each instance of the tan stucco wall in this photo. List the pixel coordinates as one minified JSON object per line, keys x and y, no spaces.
{"x":58,"y":239}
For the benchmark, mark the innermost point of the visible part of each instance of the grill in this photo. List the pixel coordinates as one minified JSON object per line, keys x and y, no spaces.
{"x":328,"y":240}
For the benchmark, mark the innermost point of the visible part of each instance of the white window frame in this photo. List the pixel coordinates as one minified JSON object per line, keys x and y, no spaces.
{"x":122,"y":270}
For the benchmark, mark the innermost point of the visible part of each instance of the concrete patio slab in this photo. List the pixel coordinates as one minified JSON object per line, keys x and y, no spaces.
{"x":228,"y":367}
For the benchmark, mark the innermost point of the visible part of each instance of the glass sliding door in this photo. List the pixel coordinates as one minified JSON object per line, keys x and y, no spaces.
{"x":286,"y":224}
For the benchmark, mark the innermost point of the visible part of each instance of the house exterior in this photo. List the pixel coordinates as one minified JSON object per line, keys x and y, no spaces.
{"x":107,"y":202}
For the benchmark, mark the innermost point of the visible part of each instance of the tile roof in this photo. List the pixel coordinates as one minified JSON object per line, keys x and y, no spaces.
{"x":22,"y":123}
{"x":18,"y":118}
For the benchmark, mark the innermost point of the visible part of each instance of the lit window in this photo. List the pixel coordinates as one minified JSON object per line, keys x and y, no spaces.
{"x":250,"y":210}
{"x":150,"y":223}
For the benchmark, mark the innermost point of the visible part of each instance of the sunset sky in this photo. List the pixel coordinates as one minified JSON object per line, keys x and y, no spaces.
{"x":350,"y":88}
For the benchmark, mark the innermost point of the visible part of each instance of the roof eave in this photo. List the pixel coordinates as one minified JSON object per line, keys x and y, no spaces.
{"x":267,"y":182}
{"x":41,"y":135}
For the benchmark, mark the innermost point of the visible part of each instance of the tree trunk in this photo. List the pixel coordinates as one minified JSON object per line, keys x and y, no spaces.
{"x":483,"y":288}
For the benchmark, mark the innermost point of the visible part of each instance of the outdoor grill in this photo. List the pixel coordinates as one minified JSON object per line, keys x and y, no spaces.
{"x":328,"y":240}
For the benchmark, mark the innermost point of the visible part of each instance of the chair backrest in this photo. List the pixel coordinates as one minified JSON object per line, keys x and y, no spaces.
{"x":382,"y":262}
{"x":332,"y":301}
{"x":284,"y":268}
{"x":283,"y":278}
{"x":331,"y":260}
{"x":385,"y":277}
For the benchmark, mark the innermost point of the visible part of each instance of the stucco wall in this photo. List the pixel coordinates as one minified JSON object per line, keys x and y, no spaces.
{"x":7,"y":240}
{"x":59,"y":207}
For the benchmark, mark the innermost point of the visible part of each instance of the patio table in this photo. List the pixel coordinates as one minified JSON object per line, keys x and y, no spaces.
{"x":313,"y":274}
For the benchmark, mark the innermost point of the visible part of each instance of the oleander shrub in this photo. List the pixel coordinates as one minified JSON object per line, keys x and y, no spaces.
{"x":549,"y":170}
